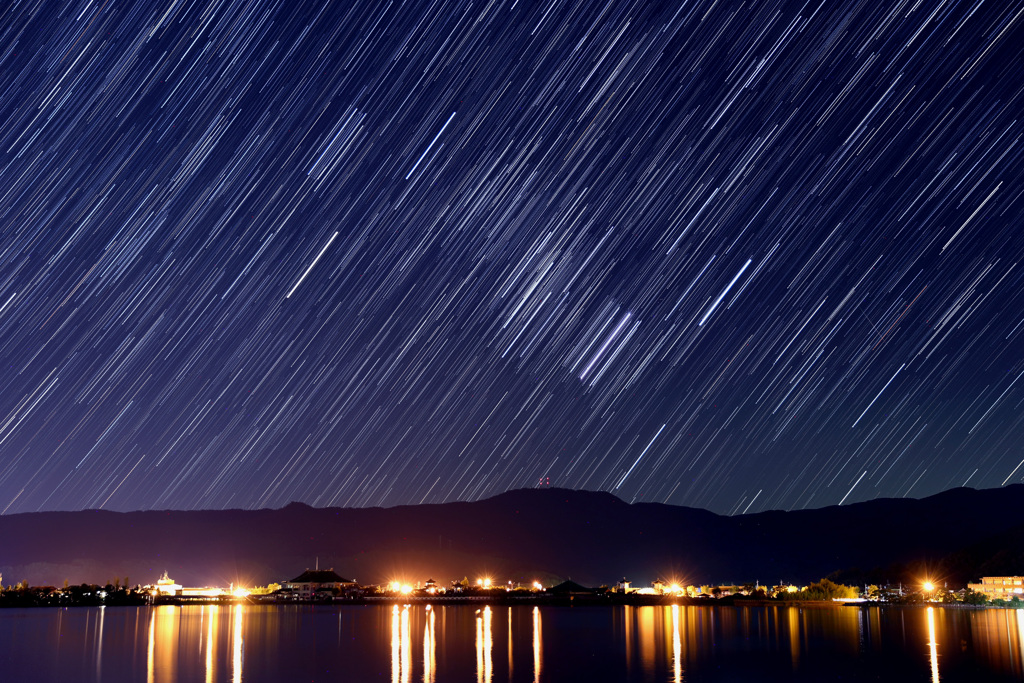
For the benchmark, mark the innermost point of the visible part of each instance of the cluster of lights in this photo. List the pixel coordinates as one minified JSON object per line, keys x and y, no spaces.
{"x":484,"y":582}
{"x":398,"y":587}
{"x":487,"y":583}
{"x":167,"y":587}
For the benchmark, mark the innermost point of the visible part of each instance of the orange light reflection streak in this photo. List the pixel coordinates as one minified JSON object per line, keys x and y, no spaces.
{"x":429,"y":645}
{"x":536,"y":644}
{"x":932,"y":645}
{"x":484,"y":643}
{"x":236,"y":646}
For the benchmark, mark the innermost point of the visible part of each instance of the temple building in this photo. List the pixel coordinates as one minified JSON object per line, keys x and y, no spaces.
{"x":167,"y":587}
{"x":314,"y":584}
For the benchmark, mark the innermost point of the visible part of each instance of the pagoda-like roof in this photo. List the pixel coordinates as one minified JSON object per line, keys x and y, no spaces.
{"x":319,"y":576}
{"x":569,"y":588}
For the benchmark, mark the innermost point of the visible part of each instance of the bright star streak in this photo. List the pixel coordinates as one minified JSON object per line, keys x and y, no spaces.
{"x":600,"y":352}
{"x":853,"y":487}
{"x":877,"y":395}
{"x":429,"y":147}
{"x":311,"y":265}
{"x":630,"y":471}
{"x":722,"y":295}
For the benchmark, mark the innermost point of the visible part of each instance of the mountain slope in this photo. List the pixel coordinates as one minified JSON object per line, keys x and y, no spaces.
{"x":592,"y":537}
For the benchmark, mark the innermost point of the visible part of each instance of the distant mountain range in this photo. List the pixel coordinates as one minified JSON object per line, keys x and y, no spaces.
{"x":548,"y":534}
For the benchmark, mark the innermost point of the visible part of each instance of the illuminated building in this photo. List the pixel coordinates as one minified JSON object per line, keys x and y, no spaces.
{"x":316,"y":584}
{"x":166,"y":587}
{"x":661,"y":587}
{"x":999,"y":587}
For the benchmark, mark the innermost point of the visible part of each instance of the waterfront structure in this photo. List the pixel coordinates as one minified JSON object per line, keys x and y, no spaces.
{"x":314,"y":584}
{"x":1000,"y":587}
{"x":167,"y":587}
{"x":569,"y":588}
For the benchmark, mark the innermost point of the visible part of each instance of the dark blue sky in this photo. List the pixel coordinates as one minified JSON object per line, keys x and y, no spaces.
{"x":729,"y":255}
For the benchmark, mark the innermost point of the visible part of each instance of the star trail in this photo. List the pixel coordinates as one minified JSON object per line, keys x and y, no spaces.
{"x":732,"y":255}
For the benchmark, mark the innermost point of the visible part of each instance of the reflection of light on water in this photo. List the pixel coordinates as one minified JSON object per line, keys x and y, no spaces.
{"x":99,"y":644}
{"x":396,"y":645}
{"x":168,"y":644}
{"x":647,"y":636}
{"x":150,"y":648}
{"x":211,"y":628}
{"x":793,"y":620}
{"x":677,"y":647}
{"x":162,"y":648}
{"x":488,"y":642}
{"x":628,"y":616}
{"x":428,"y":648}
{"x":1019,"y":614}
{"x":209,"y":649}
{"x":510,"y":643}
{"x":401,"y":645}
{"x":484,"y":643}
{"x":406,"y":646}
{"x":992,"y":639}
{"x":479,"y":648}
{"x":236,"y":647}
{"x":536,"y":644}
{"x":932,"y":646}
{"x":653,"y":638}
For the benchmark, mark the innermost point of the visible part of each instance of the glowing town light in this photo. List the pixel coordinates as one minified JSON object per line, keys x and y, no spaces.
{"x":929,"y":586}
{"x":406,"y":589}
{"x":240,"y":593}
{"x":395,"y":587}
{"x":537,"y":586}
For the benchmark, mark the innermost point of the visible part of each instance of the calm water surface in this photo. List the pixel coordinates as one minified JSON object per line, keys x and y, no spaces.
{"x":402,"y":644}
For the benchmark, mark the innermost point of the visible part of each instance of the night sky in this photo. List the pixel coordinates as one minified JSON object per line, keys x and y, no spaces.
{"x":731,"y":255}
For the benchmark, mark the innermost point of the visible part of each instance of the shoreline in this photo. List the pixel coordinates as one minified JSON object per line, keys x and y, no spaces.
{"x":539,"y":600}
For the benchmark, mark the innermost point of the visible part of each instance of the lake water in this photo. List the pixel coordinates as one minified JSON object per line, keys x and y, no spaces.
{"x":402,"y":644}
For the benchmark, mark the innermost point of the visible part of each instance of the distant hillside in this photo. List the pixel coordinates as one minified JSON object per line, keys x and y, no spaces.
{"x":594,"y":538}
